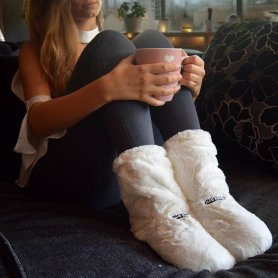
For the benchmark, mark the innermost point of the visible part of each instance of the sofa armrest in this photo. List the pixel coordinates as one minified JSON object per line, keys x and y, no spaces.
{"x":238,"y":100}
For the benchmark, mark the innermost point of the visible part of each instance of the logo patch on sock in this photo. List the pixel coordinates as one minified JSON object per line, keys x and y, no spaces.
{"x":180,"y":215}
{"x":214,"y":199}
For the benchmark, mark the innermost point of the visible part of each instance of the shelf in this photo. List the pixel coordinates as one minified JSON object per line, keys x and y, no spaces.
{"x":192,"y":40}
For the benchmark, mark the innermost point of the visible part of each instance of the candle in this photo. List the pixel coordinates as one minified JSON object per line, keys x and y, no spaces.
{"x":163,"y":25}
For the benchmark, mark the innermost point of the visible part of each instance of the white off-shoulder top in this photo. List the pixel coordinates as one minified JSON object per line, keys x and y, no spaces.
{"x":31,"y":147}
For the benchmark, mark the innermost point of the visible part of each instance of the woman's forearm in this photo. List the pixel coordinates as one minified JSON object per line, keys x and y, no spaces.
{"x":57,"y":114}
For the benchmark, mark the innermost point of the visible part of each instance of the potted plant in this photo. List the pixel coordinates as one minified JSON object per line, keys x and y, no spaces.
{"x":132,"y":13}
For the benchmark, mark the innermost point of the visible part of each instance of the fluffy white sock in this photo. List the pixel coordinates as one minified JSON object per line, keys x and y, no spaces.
{"x":159,"y":214}
{"x":193,"y":156}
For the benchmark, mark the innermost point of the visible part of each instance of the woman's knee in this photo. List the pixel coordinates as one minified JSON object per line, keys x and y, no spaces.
{"x":113,"y":42}
{"x":99,"y":57}
{"x":151,"y":39}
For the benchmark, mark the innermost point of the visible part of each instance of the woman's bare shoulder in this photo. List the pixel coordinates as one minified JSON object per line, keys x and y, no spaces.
{"x":27,"y":52}
{"x":29,"y":65}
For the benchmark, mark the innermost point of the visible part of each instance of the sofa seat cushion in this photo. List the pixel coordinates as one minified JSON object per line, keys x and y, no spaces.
{"x":51,"y":239}
{"x":12,"y":111}
{"x":239,"y":98}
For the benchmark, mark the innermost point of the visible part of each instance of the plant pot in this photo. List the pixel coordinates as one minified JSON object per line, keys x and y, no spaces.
{"x":133,"y":24}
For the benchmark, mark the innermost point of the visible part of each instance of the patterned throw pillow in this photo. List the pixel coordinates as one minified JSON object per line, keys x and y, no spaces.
{"x":239,"y":98}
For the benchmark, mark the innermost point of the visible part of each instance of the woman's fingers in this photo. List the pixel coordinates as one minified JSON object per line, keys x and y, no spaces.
{"x":144,"y":82}
{"x":151,"y":100}
{"x":160,"y":91}
{"x":167,"y":79}
{"x":193,"y":73}
{"x":195,"y":60}
{"x":188,"y":76}
{"x":194,"y":65}
{"x":160,"y":68}
{"x":154,"y":74}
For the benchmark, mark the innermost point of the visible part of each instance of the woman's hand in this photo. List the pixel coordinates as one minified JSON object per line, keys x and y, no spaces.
{"x":193,"y":73}
{"x":142,"y":82}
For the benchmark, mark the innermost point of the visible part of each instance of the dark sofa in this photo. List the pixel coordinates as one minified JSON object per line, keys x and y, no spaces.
{"x":53,"y":239}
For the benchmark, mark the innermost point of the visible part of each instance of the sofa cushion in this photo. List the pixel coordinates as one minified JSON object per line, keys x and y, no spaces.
{"x":12,"y":111}
{"x":54,"y":239}
{"x":239,"y":97}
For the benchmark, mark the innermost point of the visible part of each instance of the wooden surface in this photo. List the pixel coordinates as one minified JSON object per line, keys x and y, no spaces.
{"x":191,"y":40}
{"x":194,"y":40}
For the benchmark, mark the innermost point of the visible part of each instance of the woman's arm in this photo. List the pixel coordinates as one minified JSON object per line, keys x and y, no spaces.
{"x":125,"y":82}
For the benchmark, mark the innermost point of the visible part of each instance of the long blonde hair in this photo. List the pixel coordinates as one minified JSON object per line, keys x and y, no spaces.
{"x":54,"y":35}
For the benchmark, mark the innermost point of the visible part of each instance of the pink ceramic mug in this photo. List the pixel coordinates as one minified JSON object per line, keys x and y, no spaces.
{"x":160,"y":55}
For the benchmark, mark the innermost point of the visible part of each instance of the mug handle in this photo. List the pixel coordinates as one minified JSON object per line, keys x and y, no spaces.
{"x":183,"y":54}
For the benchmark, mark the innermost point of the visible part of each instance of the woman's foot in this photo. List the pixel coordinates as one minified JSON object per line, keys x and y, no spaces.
{"x":159,"y":214}
{"x":193,"y":156}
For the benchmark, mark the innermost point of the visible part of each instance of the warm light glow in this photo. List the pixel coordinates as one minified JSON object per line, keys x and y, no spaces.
{"x":200,"y":40}
{"x":129,"y":35}
{"x":174,"y":40}
{"x":163,"y":26}
{"x":163,"y":29}
{"x":187,"y":29}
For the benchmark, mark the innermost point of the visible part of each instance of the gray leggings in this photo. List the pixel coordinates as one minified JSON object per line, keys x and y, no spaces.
{"x":78,"y":167}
